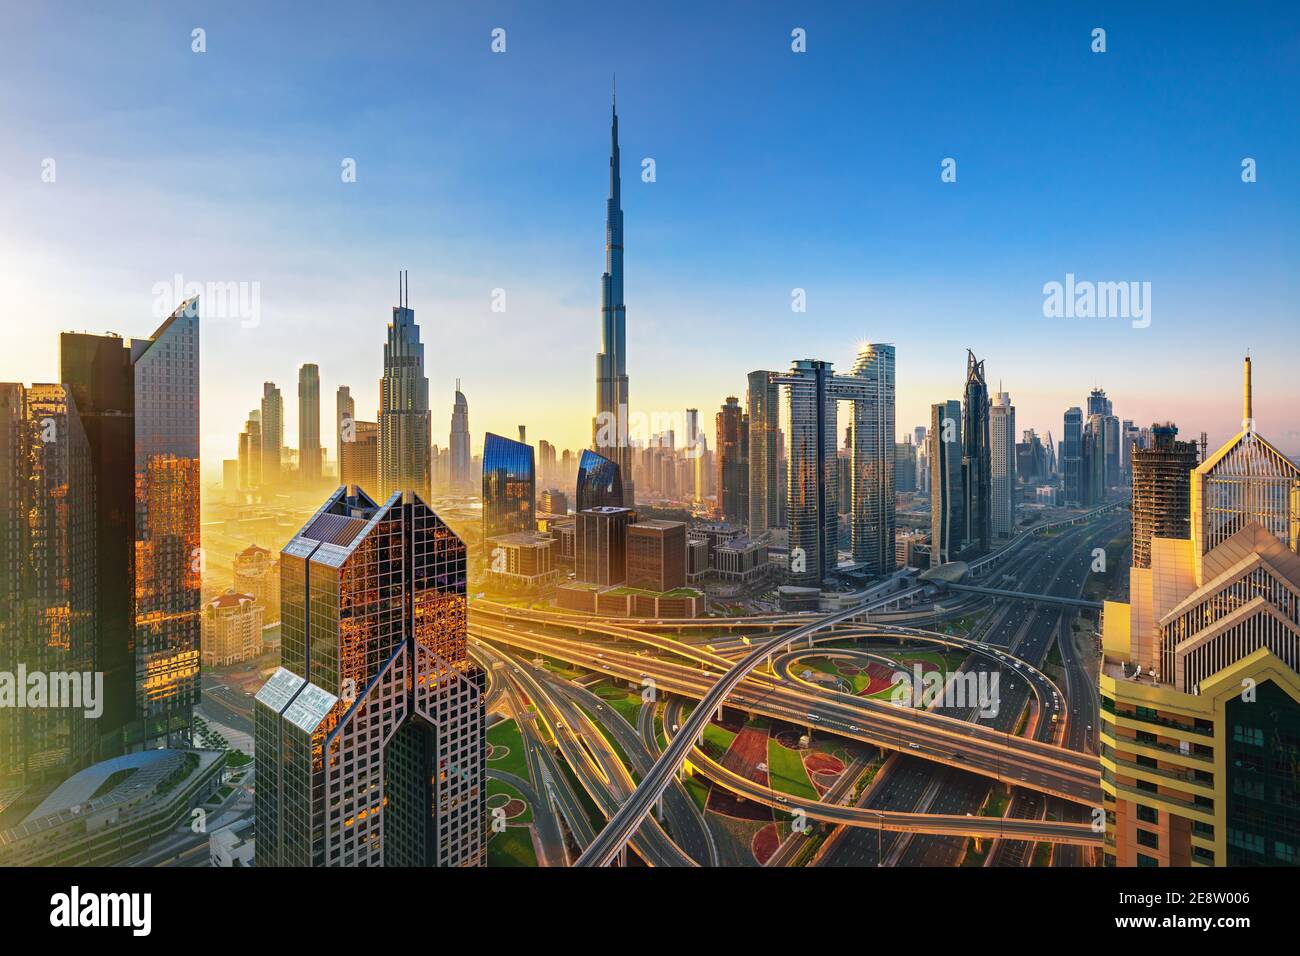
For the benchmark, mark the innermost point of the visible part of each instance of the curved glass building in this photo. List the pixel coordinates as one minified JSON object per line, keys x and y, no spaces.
{"x":509,"y":487}
{"x":600,"y":482}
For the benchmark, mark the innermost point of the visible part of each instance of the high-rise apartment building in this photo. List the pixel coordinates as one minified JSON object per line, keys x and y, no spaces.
{"x":272,"y":434}
{"x":976,"y":461}
{"x":47,"y":580}
{"x":1002,"y":438}
{"x":812,"y":481}
{"x":139,"y":405}
{"x":869,"y":387}
{"x":947,"y":501}
{"x":763,"y":401}
{"x":250,"y":451}
{"x":370,"y":736}
{"x":309,"y":447}
{"x":345,"y":416}
{"x":460,"y":461}
{"x":610,"y":425}
{"x":1162,"y":485}
{"x":733,"y":462}
{"x":1072,"y":487}
{"x":359,"y":456}
{"x":1200,"y":695}
{"x":404,"y":436}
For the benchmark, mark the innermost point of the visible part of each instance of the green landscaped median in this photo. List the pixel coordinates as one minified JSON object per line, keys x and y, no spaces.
{"x":513,"y":846}
{"x":507,"y":749}
{"x":717,"y":740}
{"x":786,"y":773}
{"x":495,"y":787}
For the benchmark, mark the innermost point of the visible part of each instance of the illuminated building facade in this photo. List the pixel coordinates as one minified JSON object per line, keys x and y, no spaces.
{"x":370,"y":736}
{"x":600,"y":482}
{"x":139,"y":404}
{"x":359,"y":457}
{"x":47,"y":576}
{"x":509,"y":487}
{"x":1200,"y":722}
{"x":732,"y":453}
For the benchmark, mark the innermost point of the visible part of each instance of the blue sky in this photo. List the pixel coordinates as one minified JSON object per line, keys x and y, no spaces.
{"x":775,"y":171}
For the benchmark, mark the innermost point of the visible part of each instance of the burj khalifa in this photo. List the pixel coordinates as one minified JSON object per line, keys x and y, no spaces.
{"x":610,"y":425}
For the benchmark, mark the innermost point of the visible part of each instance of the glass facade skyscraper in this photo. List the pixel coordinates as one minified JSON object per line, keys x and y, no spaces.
{"x":509,"y":487}
{"x":764,"y":406}
{"x":1072,"y":459}
{"x":947,"y":501}
{"x":812,"y":484}
{"x":610,"y":425}
{"x":370,"y":735}
{"x":1002,"y":436}
{"x":139,"y":404}
{"x":870,"y":388}
{"x":600,"y":485}
{"x":47,"y":577}
{"x":405,"y":448}
{"x":309,"y":454}
{"x":976,"y":460}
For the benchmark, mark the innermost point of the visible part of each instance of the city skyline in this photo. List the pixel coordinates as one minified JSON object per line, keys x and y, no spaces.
{"x":868,"y":263}
{"x":799,"y":586}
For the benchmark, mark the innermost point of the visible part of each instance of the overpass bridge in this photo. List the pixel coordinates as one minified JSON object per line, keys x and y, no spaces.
{"x":1022,"y":595}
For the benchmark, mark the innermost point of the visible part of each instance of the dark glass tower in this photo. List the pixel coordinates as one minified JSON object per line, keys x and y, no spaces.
{"x":139,"y":404}
{"x":600,"y":484}
{"x":509,"y":487}
{"x":977,"y":459}
{"x":947,"y":502}
{"x":370,"y":736}
{"x":1072,"y":459}
{"x":610,"y":426}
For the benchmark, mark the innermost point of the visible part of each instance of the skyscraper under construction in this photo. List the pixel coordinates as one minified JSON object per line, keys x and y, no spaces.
{"x":1162,"y":482}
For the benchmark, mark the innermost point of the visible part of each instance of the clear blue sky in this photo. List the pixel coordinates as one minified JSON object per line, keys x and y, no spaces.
{"x":775,"y":170}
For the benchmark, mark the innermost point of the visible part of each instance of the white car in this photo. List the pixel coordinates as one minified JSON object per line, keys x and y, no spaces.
{"x":914,"y":745}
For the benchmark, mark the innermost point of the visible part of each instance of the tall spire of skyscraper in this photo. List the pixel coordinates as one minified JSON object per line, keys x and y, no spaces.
{"x":609,"y":427}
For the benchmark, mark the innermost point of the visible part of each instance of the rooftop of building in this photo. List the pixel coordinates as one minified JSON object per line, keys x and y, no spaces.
{"x":523,"y":539}
{"x":659,"y":524}
{"x":231,"y":599}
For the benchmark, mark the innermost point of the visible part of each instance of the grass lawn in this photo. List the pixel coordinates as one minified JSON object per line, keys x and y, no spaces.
{"x":626,"y":702}
{"x":513,"y":846}
{"x":500,"y":786}
{"x":505,"y":733}
{"x":717,"y":740}
{"x":786,"y":773}
{"x":698,"y":788}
